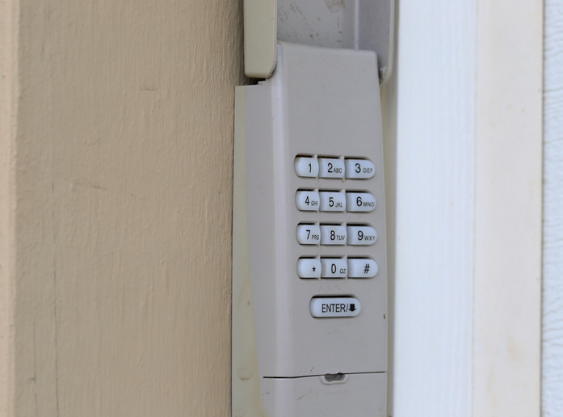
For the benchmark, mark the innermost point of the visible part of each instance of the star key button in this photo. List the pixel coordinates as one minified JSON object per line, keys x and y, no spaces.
{"x":309,"y":268}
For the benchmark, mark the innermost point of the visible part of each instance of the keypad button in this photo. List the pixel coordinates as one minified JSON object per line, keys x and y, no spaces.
{"x":361,"y":235}
{"x":309,"y":268}
{"x":361,"y":268}
{"x":333,"y":268}
{"x":359,"y":169}
{"x":333,"y":235}
{"x":332,"y":201}
{"x":320,"y":307}
{"x":308,"y":234}
{"x":360,"y":202}
{"x":307,"y":200}
{"x":306,"y":167}
{"x":331,"y":168}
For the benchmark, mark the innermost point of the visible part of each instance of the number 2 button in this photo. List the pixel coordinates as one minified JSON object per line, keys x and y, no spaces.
{"x":331,"y":168}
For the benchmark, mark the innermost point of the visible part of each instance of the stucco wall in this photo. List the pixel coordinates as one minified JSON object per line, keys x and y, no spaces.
{"x":117,"y":154}
{"x":552,"y":382}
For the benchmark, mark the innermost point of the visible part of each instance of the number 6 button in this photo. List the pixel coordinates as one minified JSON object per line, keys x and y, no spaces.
{"x":361,"y":235}
{"x":363,"y":202}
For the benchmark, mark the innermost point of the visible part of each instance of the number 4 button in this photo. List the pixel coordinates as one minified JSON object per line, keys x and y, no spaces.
{"x":307,"y":200}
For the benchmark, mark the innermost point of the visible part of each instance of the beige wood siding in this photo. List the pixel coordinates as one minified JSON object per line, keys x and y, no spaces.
{"x":116,"y":151}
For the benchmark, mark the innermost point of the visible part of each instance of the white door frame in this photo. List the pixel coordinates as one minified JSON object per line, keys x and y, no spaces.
{"x":464,"y":179}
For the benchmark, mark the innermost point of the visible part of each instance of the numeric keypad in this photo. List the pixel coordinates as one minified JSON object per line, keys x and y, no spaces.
{"x":337,"y":201}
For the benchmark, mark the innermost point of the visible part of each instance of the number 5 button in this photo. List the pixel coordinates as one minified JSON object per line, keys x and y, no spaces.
{"x":361,"y":235}
{"x":333,"y":201}
{"x":363,"y":202}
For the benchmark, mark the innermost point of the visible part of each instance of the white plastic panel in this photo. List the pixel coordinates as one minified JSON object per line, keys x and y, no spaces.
{"x":350,"y":24}
{"x":305,"y":110}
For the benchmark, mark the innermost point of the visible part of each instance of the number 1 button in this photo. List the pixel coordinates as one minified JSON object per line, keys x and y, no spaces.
{"x":306,"y":167}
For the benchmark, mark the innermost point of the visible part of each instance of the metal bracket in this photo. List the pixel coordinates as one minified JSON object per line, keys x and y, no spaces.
{"x":351,"y":24}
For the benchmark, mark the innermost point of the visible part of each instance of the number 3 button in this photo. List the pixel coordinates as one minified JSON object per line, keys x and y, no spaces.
{"x":359,"y":168}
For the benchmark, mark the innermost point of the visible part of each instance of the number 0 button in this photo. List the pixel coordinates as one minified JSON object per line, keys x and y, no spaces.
{"x":331,"y":168}
{"x":333,"y":268}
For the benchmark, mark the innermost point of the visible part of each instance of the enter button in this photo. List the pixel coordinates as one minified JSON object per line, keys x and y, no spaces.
{"x":323,"y":307}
